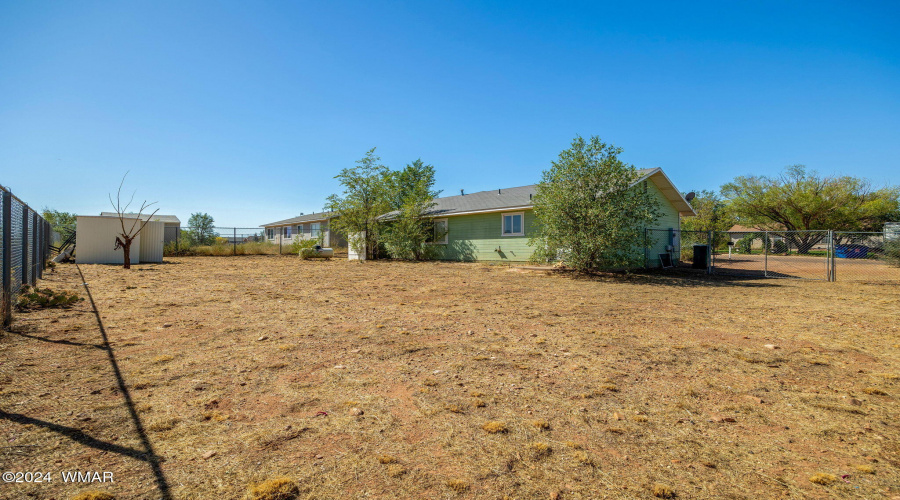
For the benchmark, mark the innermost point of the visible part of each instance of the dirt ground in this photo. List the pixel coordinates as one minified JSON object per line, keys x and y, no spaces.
{"x":200,"y":377}
{"x":807,"y":267}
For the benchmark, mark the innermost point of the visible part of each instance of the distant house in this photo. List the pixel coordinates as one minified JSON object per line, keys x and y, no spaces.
{"x":892,"y":231}
{"x":305,"y":227}
{"x":171,"y":224}
{"x":496,"y":225}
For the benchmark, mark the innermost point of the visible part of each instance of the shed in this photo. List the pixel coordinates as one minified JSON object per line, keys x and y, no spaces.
{"x":95,"y":241}
{"x":172,"y":223}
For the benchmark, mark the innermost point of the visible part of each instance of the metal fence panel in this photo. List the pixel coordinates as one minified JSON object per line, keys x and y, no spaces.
{"x":23,"y":250}
{"x":860,"y":256}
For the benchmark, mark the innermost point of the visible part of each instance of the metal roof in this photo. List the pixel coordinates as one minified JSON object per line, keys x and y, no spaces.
{"x":519,"y":198}
{"x":132,"y":215}
{"x":302,"y":218}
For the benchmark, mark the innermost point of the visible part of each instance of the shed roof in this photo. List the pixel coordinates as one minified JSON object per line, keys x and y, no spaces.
{"x":303,"y":218}
{"x":133,"y":215}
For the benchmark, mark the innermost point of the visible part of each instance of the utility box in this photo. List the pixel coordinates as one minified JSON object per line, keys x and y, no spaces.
{"x":701,"y":257}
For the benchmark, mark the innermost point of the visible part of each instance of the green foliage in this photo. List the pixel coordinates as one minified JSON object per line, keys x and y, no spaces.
{"x":745,"y":244}
{"x":779,"y":246}
{"x":201,"y":229}
{"x":712,"y":213}
{"x":590,"y":211}
{"x":892,"y":252}
{"x":409,"y":229}
{"x":365,"y":197}
{"x":40,"y":298}
{"x":799,"y":200}
{"x":299,"y":244}
{"x":57,"y":218}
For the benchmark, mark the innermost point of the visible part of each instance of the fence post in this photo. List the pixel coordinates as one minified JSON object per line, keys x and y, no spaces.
{"x":234,"y":242}
{"x":6,"y":272}
{"x":24,"y":257}
{"x":829,"y":257}
{"x":34,"y":247}
{"x":710,"y":257}
{"x":766,"y":252}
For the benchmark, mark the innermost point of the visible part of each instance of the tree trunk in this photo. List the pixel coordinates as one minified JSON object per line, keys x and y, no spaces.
{"x":126,"y":249}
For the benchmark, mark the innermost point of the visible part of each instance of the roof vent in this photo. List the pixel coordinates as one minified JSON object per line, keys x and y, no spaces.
{"x":498,"y":191}
{"x":462,"y":192}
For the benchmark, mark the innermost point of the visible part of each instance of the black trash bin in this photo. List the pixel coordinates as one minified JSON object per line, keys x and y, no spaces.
{"x":701,"y":257}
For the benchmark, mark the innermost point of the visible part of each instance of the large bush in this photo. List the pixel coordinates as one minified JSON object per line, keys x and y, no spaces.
{"x":591,"y":213}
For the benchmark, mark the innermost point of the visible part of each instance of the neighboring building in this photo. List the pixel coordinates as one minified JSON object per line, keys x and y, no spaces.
{"x":892,"y":231}
{"x":171,"y":224}
{"x":305,"y":227}
{"x":95,"y":241}
{"x":496,"y":225}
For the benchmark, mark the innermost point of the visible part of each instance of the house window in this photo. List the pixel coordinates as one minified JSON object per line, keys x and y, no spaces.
{"x":439,"y":234}
{"x":300,"y":230}
{"x":270,"y":233}
{"x":287,"y":232}
{"x":513,"y":224}
{"x":314,"y":229}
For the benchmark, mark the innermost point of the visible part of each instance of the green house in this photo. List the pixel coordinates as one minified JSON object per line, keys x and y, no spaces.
{"x":496,"y":225}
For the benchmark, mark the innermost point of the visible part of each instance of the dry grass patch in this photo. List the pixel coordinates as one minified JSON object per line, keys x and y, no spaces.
{"x":280,"y":488}
{"x":396,"y":470}
{"x":93,"y":495}
{"x":458,"y":485}
{"x":865,"y":469}
{"x":539,"y":450}
{"x":163,"y":424}
{"x":662,"y":491}
{"x":657,"y":356}
{"x":822,"y":478}
{"x":495,"y":427}
{"x":541,"y":425}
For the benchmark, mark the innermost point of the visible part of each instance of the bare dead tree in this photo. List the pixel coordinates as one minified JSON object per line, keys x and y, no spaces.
{"x":128,"y":234}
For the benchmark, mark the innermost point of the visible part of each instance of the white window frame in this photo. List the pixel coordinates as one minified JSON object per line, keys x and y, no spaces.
{"x":446,"y":239}
{"x":315,"y":229}
{"x":503,"y":217}
{"x":270,"y":233}
{"x":286,"y":231}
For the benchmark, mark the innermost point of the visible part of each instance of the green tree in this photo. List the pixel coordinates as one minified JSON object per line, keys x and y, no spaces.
{"x":201,"y":229}
{"x":366,"y":196}
{"x":57,"y":218}
{"x":712,"y":215}
{"x":590,"y":211}
{"x":801,"y":200}
{"x":409,"y":228}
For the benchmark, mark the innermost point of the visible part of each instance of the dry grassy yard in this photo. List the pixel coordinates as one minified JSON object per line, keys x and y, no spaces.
{"x":440,"y":380}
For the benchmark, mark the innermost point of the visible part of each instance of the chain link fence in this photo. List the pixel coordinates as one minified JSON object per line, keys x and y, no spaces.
{"x":24,"y":249}
{"x":223,"y":241}
{"x":813,"y":255}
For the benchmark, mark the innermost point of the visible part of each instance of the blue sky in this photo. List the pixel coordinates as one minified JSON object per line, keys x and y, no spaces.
{"x":247,"y":110}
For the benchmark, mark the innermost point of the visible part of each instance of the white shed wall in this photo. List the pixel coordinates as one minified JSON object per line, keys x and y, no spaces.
{"x":152,"y":241}
{"x":95,"y":241}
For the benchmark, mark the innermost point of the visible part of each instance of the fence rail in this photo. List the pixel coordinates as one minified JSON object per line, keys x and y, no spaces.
{"x":24,"y":249}
{"x":814,"y":255}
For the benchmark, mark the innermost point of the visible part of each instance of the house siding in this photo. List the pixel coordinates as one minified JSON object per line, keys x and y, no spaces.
{"x":669,"y":219}
{"x":477,"y":237}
